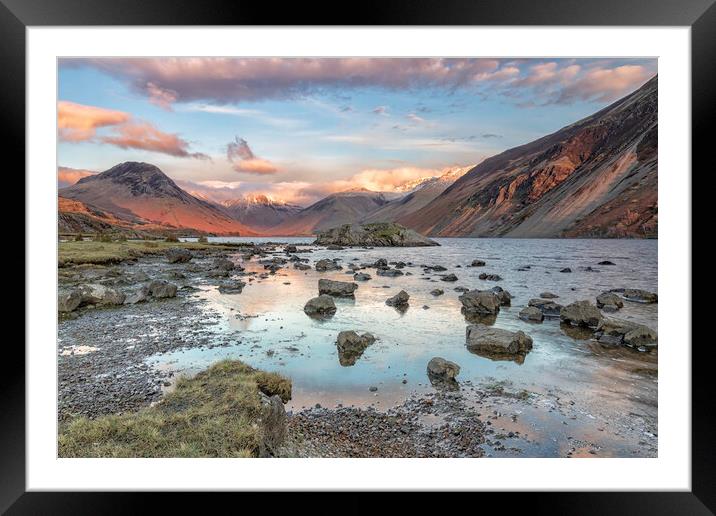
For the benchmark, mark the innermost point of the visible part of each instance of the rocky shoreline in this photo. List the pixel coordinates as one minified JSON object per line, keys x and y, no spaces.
{"x":116,"y":314}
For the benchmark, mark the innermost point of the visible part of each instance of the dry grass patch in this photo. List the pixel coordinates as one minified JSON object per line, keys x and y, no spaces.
{"x":217,"y":413}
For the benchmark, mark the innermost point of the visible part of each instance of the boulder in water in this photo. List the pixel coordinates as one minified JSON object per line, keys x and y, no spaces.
{"x":336,"y":288}
{"x":581,"y":313}
{"x":321,"y":306}
{"x":496,"y":342}
{"x":351,"y":346}
{"x":327,"y":265}
{"x":480,"y":302}
{"x":532,"y":314}
{"x":398,"y":300}
{"x":378,"y":234}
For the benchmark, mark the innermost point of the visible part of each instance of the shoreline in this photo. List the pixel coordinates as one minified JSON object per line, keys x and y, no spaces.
{"x":117,"y":379}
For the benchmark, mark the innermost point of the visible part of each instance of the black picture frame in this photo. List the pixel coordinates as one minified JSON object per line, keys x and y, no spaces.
{"x":700,"y":15}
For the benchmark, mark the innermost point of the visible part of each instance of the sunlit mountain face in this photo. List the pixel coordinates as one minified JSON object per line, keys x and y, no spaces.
{"x":255,"y":139}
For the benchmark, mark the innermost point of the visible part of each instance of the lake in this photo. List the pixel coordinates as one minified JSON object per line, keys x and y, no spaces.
{"x":276,"y":334}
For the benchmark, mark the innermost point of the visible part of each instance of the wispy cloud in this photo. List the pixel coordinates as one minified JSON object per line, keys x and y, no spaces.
{"x":80,"y":123}
{"x":221,"y":81}
{"x":77,"y":122}
{"x":243,"y":159}
{"x":144,"y":136}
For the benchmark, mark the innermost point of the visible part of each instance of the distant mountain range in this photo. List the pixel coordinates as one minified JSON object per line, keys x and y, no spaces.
{"x":334,"y":210}
{"x":594,"y":178}
{"x":259,"y":211}
{"x":422,"y":192}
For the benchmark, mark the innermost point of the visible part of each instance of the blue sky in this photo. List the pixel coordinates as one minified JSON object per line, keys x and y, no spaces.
{"x":302,"y":128}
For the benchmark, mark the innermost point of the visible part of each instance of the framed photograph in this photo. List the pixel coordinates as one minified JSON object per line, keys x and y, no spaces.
{"x":436,"y":250}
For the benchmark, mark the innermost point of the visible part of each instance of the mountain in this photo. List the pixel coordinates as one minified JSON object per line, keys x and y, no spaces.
{"x":259,"y":211}
{"x":421,"y":192}
{"x":142,"y":194}
{"x":594,"y":178}
{"x":334,"y":210}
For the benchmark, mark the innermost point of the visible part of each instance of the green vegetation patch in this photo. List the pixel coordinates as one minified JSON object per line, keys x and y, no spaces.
{"x":102,"y":253}
{"x":217,"y":413}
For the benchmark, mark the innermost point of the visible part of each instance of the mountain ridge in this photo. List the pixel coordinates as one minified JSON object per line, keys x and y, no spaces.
{"x":595,"y":177}
{"x":140,"y":192}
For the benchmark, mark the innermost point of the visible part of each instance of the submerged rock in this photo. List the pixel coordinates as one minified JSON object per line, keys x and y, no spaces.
{"x":391,"y":273}
{"x":449,"y":277}
{"x":232,"y":288}
{"x":399,"y":300}
{"x":351,"y":346}
{"x":581,"y":313}
{"x":480,"y":302}
{"x":640,"y":296}
{"x":566,"y":269}
{"x":336,"y":288}
{"x":361,"y":276}
{"x":301,"y":266}
{"x":321,"y":306}
{"x":490,"y":277}
{"x":178,"y":255}
{"x":437,"y":292}
{"x":496,"y":342}
{"x":477,"y":263}
{"x":379,"y":234}
{"x":548,"y":295}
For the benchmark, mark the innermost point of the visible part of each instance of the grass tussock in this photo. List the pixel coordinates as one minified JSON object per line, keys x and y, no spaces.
{"x":102,"y":253}
{"x":214,"y":414}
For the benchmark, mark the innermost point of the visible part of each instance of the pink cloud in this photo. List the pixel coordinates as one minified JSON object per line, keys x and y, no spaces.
{"x":67,"y":176}
{"x":606,"y":84}
{"x":77,"y":122}
{"x":142,"y":135}
{"x":161,"y":97}
{"x":243,"y":159}
{"x":230,"y":80}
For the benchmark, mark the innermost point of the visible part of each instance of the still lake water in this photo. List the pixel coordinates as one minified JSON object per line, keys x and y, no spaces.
{"x":276,"y":335}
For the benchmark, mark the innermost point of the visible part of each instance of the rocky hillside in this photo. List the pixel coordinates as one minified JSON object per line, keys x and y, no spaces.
{"x":594,"y":178}
{"x":141,"y":193}
{"x":78,"y":217}
{"x":332,"y":211}
{"x":421,"y":193}
{"x":259,"y":211}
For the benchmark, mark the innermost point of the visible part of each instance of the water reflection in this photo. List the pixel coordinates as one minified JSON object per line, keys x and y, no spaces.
{"x":268,"y":316}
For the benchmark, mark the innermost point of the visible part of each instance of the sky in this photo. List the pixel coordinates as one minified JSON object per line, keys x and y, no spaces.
{"x":297,"y":129}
